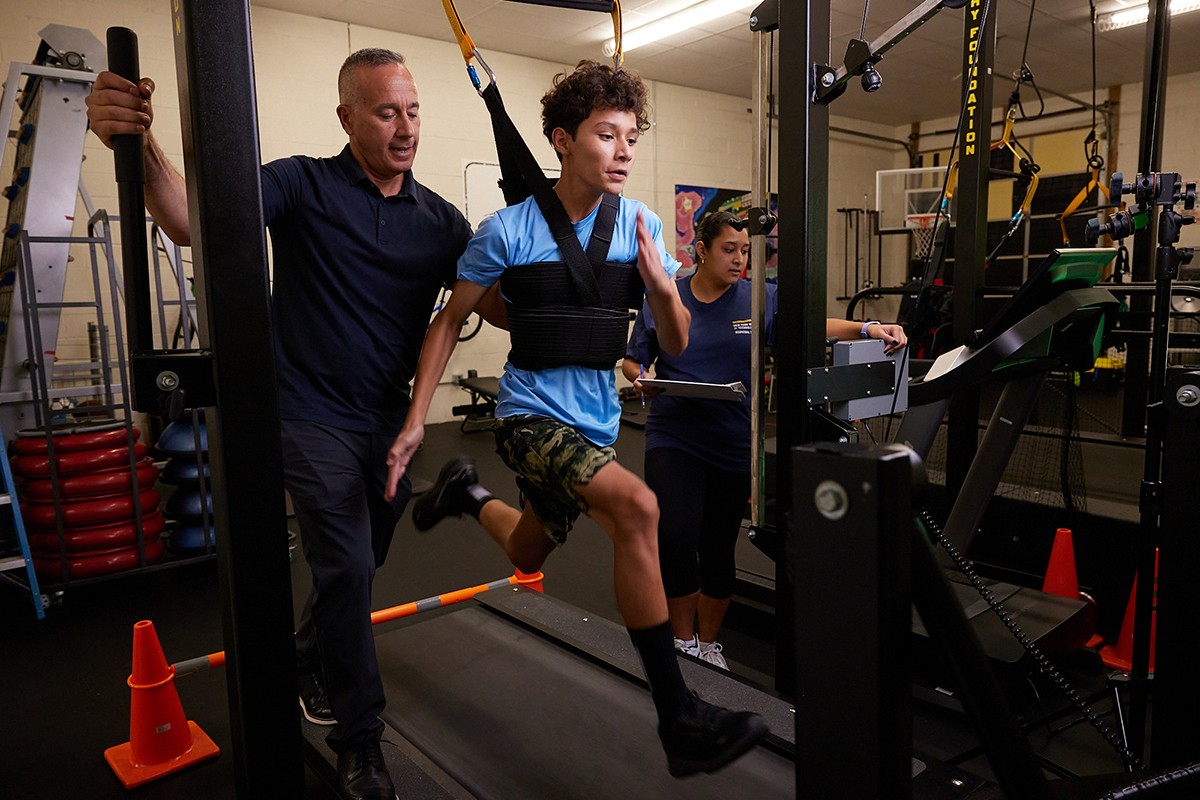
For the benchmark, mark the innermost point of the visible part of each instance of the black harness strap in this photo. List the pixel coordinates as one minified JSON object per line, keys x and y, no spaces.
{"x":521,"y":176}
{"x":519,"y":171}
{"x":602,"y":232}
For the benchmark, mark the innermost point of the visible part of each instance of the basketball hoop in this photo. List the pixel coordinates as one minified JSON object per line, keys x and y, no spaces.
{"x":921,"y":226}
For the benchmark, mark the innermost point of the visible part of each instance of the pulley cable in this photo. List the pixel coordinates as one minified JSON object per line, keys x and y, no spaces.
{"x":1091,"y":153}
{"x":1025,"y":75}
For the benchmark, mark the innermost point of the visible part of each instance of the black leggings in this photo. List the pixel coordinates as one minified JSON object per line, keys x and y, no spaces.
{"x":700,"y":514}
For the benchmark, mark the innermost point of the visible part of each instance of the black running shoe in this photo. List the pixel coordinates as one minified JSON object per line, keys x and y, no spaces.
{"x":314,"y":701}
{"x":449,"y":496}
{"x":703,"y":737}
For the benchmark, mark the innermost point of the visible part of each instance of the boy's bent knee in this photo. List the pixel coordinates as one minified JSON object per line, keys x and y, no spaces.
{"x":637,"y":514}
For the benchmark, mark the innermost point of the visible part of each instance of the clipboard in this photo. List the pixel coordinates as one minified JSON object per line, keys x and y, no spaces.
{"x":709,"y":391}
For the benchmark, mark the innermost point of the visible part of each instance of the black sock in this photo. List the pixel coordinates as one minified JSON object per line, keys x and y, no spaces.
{"x":657,"y":651}
{"x":477,"y":499}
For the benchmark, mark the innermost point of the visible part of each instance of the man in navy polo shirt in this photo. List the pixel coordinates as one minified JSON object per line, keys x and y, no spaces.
{"x":360,"y":250}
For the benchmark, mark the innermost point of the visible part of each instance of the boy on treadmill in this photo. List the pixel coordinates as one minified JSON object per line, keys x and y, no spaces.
{"x":557,"y":413}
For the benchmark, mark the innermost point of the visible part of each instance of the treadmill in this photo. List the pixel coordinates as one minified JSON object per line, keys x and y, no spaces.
{"x":516,"y":694}
{"x":1056,"y":319}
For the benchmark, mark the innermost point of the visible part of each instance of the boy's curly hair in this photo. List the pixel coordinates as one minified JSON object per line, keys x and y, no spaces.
{"x":590,"y":86}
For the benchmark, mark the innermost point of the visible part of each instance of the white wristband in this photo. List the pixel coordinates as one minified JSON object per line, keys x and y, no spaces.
{"x":863,"y":333}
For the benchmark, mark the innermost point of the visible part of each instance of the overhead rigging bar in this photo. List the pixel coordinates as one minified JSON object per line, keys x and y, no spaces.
{"x":830,"y":83}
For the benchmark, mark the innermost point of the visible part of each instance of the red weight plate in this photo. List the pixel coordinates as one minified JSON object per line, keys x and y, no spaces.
{"x":88,"y":513}
{"x":93,"y":564}
{"x":105,"y":482}
{"x":73,"y":442}
{"x":97,"y":538}
{"x":38,"y":466}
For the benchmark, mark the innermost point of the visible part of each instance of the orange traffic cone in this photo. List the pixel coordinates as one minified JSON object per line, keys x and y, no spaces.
{"x":1120,"y":655}
{"x":161,"y":739}
{"x":1061,"y":578}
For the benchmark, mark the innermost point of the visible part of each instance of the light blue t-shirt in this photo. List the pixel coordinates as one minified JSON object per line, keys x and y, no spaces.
{"x":583,"y":398}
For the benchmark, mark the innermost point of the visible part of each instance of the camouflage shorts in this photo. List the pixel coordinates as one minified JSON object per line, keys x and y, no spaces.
{"x":550,"y":459}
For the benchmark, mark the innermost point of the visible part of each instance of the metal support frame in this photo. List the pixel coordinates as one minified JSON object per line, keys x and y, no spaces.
{"x":831,"y":82}
{"x":970,"y":242}
{"x":220,"y":130}
{"x":1150,"y":145}
{"x":1176,"y":702}
{"x":803,"y":182}
{"x":852,"y":504}
{"x":1140,"y":370}
{"x":758,"y":278}
{"x":1153,"y":530}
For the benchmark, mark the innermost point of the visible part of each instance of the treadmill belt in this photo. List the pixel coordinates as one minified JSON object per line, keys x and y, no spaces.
{"x":511,"y":714}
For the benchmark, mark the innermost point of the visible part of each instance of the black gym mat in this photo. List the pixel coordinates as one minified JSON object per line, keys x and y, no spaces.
{"x":512,"y":714}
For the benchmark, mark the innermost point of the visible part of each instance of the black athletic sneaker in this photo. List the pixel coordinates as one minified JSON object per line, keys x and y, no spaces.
{"x":314,"y":702}
{"x":704,"y":737}
{"x":449,"y":496}
{"x":363,"y":774}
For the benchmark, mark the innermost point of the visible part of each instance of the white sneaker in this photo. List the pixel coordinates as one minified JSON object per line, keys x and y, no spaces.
{"x":711,"y":652}
{"x":689,"y":647}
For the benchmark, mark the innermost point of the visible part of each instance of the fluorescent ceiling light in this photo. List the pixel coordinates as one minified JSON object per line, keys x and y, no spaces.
{"x":678,"y":22}
{"x":1136,"y":15}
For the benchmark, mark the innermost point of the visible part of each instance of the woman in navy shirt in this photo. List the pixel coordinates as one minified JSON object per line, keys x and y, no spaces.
{"x":698,"y":450}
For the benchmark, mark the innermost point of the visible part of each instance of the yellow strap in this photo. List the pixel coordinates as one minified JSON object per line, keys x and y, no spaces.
{"x":467,"y":46}
{"x":1030,"y":192}
{"x":1007,"y":141}
{"x":460,"y":32}
{"x":618,"y":51}
{"x":1073,"y":206}
{"x":1006,"y":137}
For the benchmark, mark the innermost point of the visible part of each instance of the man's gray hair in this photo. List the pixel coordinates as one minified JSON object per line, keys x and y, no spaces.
{"x":367,"y":57}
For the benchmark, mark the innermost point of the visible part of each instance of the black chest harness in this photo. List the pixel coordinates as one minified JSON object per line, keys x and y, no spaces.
{"x":572,"y":313}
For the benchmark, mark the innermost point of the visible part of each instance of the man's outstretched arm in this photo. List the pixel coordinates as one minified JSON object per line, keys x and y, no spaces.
{"x":440,"y":342}
{"x":117,"y":107}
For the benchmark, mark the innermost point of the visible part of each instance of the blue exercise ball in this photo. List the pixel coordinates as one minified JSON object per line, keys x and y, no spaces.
{"x":179,"y":438}
{"x":182,"y":470}
{"x":187,"y":538}
{"x":185,"y":503}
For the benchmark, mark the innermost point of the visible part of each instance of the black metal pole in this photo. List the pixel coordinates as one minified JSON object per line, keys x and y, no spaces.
{"x":804,"y":198}
{"x":131,"y":197}
{"x":220,"y":131}
{"x":1140,"y":386}
{"x":1154,"y":109}
{"x":970,"y":235}
{"x":1150,"y":507}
